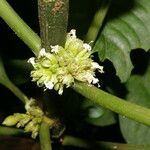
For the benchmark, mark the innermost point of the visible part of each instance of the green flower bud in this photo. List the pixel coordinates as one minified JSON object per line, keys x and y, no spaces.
{"x":46,"y":63}
{"x":36,"y":111}
{"x":30,"y":126}
{"x":33,"y":110}
{"x":30,"y":121}
{"x":23,"y":121}
{"x":35,"y":131}
{"x":75,"y":46}
{"x":11,"y":120}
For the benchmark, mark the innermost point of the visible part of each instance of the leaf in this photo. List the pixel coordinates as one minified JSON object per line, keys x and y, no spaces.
{"x":128,"y":28}
{"x":139,"y":93}
{"x":97,"y":115}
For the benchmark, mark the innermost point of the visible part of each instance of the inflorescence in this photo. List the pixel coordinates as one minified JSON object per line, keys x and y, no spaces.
{"x":63,"y":65}
{"x":30,"y":121}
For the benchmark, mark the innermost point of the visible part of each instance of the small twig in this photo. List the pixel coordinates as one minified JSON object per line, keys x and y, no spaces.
{"x":11,"y":131}
{"x":74,"y":141}
{"x":82,"y":143}
{"x":7,"y":83}
{"x":116,"y":104}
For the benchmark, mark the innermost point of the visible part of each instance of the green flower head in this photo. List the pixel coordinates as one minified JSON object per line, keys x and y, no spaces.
{"x":63,"y":65}
{"x":30,"y":121}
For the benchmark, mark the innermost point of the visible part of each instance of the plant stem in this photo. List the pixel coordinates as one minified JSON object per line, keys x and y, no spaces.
{"x":98,"y":21}
{"x":81,"y":143}
{"x":45,"y":137}
{"x":74,"y":141}
{"x":7,"y":83}
{"x":11,"y":131}
{"x":49,"y":121}
{"x":118,"y":105}
{"x":19,"y":27}
{"x":17,"y":91}
{"x":53,"y":19}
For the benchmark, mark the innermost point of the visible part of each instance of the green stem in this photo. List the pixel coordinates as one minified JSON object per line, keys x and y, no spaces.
{"x":76,"y":142}
{"x":81,"y":143}
{"x":118,"y":105}
{"x":53,"y":19}
{"x":45,"y":141}
{"x":49,"y":121}
{"x":19,"y":27}
{"x":16,"y":91}
{"x":98,"y":21}
{"x":4,"y":131}
{"x":7,"y":83}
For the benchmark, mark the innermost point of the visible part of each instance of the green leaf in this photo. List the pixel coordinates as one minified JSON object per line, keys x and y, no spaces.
{"x":97,"y":115}
{"x":128,"y":28}
{"x":139,"y":93}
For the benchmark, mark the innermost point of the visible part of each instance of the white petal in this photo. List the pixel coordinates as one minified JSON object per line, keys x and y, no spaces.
{"x":88,"y":77}
{"x":42,"y":52}
{"x":95,"y":80}
{"x":55,"y":48}
{"x":97,"y":66}
{"x":49,"y":85}
{"x":101,"y":69}
{"x":31,"y":60}
{"x":87,"y":46}
{"x":72,"y":33}
{"x":60,"y":91}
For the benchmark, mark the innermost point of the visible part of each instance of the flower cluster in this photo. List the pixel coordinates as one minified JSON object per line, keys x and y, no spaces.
{"x":63,"y":65}
{"x":31,"y":120}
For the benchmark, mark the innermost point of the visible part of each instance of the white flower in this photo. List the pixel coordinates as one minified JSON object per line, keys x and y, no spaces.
{"x":90,"y":78}
{"x":95,"y":80}
{"x":42,"y":52}
{"x":97,"y":66}
{"x":87,"y":46}
{"x":31,"y":60}
{"x":54,"y":49}
{"x":60,"y":91}
{"x":72,"y":33}
{"x":49,"y":85}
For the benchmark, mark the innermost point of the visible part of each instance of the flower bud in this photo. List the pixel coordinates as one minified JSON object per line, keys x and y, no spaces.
{"x":23,"y":121}
{"x":35,"y":131}
{"x":19,"y":118}
{"x":11,"y":120}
